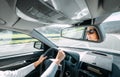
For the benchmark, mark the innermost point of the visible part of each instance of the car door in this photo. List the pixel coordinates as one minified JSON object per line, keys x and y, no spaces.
{"x":16,"y":50}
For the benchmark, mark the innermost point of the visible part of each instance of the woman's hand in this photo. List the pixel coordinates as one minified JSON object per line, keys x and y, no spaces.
{"x":60,"y":56}
{"x":40,"y":60}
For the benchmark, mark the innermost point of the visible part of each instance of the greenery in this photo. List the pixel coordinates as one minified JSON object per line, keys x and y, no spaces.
{"x":21,"y":38}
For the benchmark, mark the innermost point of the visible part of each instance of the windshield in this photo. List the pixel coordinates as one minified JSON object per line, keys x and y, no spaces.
{"x":111,"y":26}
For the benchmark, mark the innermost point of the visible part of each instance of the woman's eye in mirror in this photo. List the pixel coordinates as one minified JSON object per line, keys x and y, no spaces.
{"x":92,"y":34}
{"x":91,"y":31}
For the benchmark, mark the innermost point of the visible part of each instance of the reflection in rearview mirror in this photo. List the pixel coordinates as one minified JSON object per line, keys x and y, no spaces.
{"x":89,"y":33}
{"x":92,"y":34}
{"x":73,"y":32}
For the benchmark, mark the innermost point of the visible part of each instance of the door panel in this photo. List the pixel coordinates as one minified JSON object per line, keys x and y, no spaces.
{"x":18,"y":61}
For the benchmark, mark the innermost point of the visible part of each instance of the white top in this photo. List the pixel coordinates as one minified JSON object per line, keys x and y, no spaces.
{"x":22,"y":72}
{"x":51,"y":71}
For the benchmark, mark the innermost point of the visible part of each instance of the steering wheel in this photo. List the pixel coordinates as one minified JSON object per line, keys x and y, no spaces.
{"x":51,"y":54}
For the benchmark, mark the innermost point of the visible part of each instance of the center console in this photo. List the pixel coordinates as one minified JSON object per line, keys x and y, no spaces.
{"x":96,"y":64}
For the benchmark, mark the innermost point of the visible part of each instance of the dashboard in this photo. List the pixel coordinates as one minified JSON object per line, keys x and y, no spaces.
{"x":96,"y":64}
{"x":88,"y":64}
{"x":99,"y":59}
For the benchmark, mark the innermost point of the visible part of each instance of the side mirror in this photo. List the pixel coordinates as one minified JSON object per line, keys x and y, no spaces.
{"x":38,"y":45}
{"x":85,"y":33}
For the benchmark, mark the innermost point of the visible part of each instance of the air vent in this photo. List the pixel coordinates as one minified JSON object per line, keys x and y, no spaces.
{"x":100,"y":53}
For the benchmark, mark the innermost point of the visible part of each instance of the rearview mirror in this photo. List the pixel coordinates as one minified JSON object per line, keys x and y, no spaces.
{"x":86,"y":33}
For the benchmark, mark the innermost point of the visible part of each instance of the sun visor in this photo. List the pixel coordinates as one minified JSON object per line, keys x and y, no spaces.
{"x":73,"y":9}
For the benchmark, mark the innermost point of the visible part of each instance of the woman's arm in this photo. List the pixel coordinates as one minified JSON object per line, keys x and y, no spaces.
{"x":22,"y":72}
{"x":51,"y":71}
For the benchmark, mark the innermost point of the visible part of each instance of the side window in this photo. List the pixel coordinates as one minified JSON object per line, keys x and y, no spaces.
{"x":12,"y":42}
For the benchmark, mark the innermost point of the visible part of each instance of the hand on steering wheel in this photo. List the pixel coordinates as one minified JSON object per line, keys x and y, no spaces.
{"x":51,"y":53}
